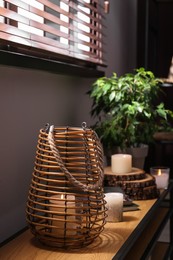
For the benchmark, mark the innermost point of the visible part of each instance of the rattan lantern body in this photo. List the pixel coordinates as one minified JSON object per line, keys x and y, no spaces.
{"x":66,"y":206}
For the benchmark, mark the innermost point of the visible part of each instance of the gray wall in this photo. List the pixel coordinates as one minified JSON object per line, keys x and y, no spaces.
{"x":121,"y":36}
{"x":29,"y":99}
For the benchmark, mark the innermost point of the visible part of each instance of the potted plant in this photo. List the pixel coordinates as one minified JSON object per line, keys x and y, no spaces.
{"x":127,"y":110}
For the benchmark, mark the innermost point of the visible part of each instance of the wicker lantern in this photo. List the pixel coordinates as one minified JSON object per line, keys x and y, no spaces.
{"x":66,"y":206}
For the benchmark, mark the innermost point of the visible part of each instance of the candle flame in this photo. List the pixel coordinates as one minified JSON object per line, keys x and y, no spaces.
{"x":159,"y":172}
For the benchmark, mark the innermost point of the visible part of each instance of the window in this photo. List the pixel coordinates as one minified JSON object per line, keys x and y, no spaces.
{"x":59,"y":30}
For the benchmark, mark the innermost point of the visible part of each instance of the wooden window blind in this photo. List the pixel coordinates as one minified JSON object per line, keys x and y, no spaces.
{"x":56,"y":29}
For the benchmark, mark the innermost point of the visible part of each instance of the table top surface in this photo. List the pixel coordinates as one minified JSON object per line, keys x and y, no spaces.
{"x":105,"y":247}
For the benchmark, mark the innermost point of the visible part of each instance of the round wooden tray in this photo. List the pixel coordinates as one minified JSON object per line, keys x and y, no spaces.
{"x":145,"y":182}
{"x":137,"y":184}
{"x":135,"y":174}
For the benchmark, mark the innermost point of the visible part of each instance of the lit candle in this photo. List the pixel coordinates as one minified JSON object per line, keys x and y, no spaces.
{"x":161,"y":175}
{"x":121,"y":163}
{"x":63,"y":215}
{"x":115,"y":206}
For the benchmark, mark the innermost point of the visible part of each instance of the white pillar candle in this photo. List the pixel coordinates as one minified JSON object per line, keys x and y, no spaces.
{"x":121,"y":163}
{"x":115,"y":206}
{"x":63,"y":215}
{"x":161,"y":175}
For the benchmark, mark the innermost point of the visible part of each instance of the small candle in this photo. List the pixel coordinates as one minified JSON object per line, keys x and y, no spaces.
{"x":115,"y":206}
{"x":63,"y":215}
{"x":161,"y":175}
{"x":121,"y":163}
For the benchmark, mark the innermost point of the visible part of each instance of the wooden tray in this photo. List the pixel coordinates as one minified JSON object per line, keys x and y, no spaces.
{"x":135,"y":174}
{"x":137,"y":184}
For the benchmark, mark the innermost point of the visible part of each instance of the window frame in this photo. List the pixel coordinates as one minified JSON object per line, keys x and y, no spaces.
{"x":10,"y":58}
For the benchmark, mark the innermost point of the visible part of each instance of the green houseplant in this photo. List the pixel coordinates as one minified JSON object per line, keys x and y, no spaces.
{"x":127,"y":109}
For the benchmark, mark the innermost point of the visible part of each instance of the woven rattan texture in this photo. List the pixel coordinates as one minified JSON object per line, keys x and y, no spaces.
{"x":63,"y":211}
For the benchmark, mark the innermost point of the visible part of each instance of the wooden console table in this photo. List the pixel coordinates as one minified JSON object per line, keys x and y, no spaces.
{"x":133,"y":238}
